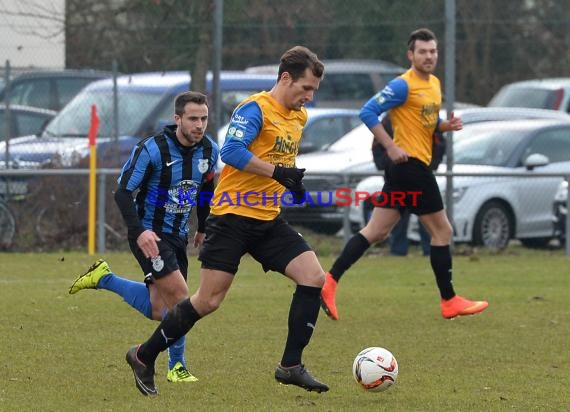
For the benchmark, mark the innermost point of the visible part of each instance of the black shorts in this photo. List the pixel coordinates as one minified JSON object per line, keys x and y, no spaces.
{"x":410,"y":185}
{"x":171,"y":256}
{"x":272,"y":243}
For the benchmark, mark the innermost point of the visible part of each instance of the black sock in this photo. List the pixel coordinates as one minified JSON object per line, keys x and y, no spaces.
{"x":353,"y":250}
{"x":303,"y":315}
{"x":177,"y":322}
{"x":440,"y":258}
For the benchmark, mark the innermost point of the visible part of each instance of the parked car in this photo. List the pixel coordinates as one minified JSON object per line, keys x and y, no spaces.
{"x":490,"y":211}
{"x":560,"y":209}
{"x":50,"y":89}
{"x":347,"y":83}
{"x":145,"y":105}
{"x":352,"y":154}
{"x":24,"y":120}
{"x":553,"y":94}
{"x":324,"y":127}
{"x":324,"y":175}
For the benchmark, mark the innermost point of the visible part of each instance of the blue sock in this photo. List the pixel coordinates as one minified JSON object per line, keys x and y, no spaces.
{"x":176,"y":352}
{"x":134,"y":293}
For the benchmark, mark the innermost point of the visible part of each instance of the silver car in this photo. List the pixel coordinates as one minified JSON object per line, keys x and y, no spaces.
{"x":336,"y":167}
{"x":550,"y":93}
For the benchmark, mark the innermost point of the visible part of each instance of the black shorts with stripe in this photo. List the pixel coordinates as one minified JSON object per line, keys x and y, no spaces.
{"x":410,"y":185}
{"x":272,"y":243}
{"x":171,"y":257}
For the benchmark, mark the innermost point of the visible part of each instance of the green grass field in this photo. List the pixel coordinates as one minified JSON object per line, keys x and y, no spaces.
{"x":62,"y":353}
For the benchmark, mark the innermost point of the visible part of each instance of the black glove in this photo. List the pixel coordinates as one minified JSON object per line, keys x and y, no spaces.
{"x":298,"y":193}
{"x":288,"y":176}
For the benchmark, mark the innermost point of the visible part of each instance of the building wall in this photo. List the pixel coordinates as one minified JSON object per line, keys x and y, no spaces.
{"x":32,"y":33}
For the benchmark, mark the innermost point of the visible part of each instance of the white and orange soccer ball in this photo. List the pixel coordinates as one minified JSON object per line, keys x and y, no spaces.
{"x":375,"y":369}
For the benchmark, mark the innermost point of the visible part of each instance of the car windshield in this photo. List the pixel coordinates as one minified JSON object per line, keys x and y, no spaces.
{"x":473,"y":146}
{"x":75,"y":118}
{"x":231,"y":98}
{"x":525,"y":97}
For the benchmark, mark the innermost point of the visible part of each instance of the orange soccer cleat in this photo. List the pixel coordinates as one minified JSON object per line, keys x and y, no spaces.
{"x":328,"y":297}
{"x":459,"y":306}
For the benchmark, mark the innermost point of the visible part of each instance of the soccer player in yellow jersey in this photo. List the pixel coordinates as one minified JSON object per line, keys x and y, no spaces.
{"x":259,"y":152}
{"x":413,"y":100}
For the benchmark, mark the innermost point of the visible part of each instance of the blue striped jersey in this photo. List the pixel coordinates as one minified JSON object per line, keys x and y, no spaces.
{"x":168,"y":177}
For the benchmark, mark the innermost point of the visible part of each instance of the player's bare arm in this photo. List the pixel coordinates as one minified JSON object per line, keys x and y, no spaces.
{"x":259,"y":167}
{"x":453,"y":124}
{"x":395,"y":153}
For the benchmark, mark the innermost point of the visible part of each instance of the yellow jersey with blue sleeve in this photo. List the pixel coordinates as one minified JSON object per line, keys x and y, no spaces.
{"x":414,"y":105}
{"x":259,"y":126}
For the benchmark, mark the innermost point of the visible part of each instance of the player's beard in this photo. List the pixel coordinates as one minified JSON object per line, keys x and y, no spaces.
{"x":191,"y":137}
{"x":425,"y":68}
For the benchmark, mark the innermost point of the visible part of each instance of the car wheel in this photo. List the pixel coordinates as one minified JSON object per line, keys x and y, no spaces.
{"x":493,"y":226}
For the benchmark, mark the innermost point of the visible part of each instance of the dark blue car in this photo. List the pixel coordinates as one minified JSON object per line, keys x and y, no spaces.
{"x":145,"y":102}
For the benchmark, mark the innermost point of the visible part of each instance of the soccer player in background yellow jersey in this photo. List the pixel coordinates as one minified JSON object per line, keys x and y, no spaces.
{"x":259,"y":151}
{"x":413,"y":100}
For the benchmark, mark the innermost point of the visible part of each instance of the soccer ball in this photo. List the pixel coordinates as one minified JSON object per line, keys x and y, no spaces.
{"x":375,"y":369}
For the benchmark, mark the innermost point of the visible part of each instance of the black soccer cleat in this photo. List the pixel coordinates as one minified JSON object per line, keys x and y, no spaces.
{"x":144,"y":375}
{"x":299,"y":376}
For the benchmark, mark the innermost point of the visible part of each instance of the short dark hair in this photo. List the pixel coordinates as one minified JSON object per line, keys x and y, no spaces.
{"x":420,"y":34}
{"x":298,"y":59}
{"x":188,"y":97}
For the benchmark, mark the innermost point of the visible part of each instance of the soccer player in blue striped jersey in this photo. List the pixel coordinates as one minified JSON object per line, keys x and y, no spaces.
{"x":168,"y":171}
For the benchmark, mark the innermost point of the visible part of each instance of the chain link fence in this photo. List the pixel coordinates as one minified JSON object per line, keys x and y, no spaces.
{"x":48,"y":210}
{"x":43,"y":211}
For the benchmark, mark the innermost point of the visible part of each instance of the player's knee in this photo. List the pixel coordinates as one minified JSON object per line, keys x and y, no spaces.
{"x":315,"y":279}
{"x":174,"y":297}
{"x":180,"y":295}
{"x":443,"y":235}
{"x":374,"y":234}
{"x":214,"y":303}
{"x":320,"y":279}
{"x":207,"y":304}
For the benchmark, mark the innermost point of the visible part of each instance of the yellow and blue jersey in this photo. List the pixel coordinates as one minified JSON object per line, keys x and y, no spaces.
{"x":414,"y":105}
{"x":259,"y":126}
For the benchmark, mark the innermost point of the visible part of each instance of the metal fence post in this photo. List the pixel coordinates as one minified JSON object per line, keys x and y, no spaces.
{"x":346,"y":233}
{"x":217,"y":66}
{"x":115,"y":128}
{"x":450,"y":38}
{"x":6,"y":130}
{"x":568,"y":218}
{"x":101,"y":194}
